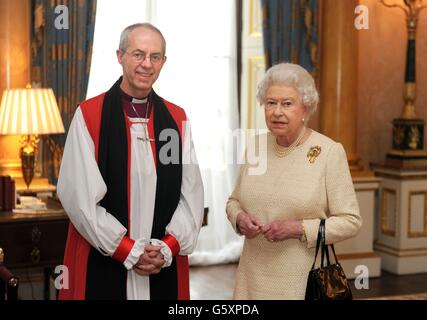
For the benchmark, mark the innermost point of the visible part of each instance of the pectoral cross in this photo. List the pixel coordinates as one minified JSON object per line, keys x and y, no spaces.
{"x":146,"y":138}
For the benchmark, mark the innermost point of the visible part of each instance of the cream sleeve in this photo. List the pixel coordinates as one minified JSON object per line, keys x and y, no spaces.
{"x":233,"y":207}
{"x":343,"y":218}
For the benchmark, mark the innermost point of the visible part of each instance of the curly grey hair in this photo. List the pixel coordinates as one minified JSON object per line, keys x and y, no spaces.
{"x":124,"y":36}
{"x":292,"y":75}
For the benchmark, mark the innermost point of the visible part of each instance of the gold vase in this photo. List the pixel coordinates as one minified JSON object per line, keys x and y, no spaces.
{"x":27,"y":161}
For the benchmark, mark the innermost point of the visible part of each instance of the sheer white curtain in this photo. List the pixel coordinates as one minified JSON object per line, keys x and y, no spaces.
{"x":111,"y":18}
{"x":200,"y":76}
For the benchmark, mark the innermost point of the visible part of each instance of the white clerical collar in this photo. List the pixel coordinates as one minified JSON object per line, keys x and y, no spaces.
{"x":135,"y":100}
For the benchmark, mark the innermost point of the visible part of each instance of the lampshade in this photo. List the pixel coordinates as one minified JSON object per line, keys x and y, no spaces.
{"x":31,"y":111}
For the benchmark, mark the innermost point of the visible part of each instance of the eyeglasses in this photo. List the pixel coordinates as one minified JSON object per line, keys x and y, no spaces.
{"x":140,"y":56}
{"x":271,"y":104}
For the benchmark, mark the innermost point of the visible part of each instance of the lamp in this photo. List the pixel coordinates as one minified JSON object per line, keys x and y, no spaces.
{"x":408,"y":130}
{"x":29,"y":112}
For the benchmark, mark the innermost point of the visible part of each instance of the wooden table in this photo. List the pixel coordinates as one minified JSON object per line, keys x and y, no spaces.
{"x":31,"y":240}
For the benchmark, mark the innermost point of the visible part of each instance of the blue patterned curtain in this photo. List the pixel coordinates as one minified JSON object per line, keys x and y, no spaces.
{"x":62,"y":40}
{"x":290,"y":32}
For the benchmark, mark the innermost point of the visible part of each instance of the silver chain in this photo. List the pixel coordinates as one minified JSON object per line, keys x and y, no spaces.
{"x":134,"y":109}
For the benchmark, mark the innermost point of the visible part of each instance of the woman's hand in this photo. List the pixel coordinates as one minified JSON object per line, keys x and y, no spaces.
{"x":279,"y":230}
{"x":248,"y":225}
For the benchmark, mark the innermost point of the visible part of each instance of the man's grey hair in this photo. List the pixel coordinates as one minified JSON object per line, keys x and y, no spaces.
{"x":124,"y":37}
{"x":292,"y":75}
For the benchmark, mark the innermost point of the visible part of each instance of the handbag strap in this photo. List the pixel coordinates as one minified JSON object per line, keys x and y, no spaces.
{"x":333,"y":250}
{"x":319,"y":240}
{"x":321,"y":243}
{"x":325,"y":247}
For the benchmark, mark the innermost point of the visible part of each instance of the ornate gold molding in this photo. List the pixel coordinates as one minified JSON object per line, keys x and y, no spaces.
{"x":398,"y":177}
{"x":255,"y":18}
{"x":365,"y":190}
{"x":408,"y":250}
{"x":358,"y":255}
{"x":417,"y":234}
{"x":401,"y":253}
{"x":385,"y":228}
{"x":255,"y":64}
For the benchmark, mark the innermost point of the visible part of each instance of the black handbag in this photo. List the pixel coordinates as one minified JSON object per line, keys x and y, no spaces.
{"x":327,"y":282}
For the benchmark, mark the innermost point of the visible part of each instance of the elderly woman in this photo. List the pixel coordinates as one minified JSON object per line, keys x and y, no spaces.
{"x":307,"y":179}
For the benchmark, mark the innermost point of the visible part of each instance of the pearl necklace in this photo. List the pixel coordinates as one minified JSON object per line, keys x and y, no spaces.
{"x":284,"y":151}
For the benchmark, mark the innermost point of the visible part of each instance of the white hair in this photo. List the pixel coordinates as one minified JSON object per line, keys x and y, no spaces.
{"x":124,"y":36}
{"x":292,"y":75}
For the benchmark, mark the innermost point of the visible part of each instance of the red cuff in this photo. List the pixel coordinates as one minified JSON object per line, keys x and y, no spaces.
{"x":172,"y":244}
{"x":123,"y":249}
